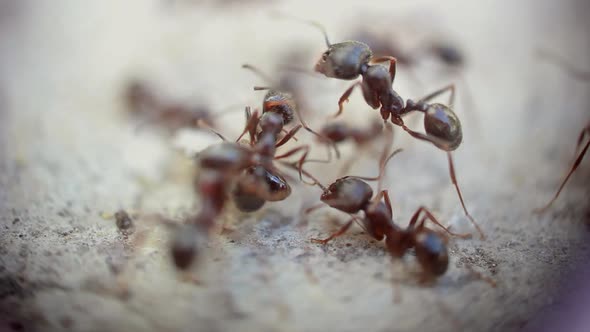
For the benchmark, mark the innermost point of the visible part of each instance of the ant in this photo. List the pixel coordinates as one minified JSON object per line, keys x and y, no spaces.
{"x":583,"y":76}
{"x":251,"y":166}
{"x":351,"y":194}
{"x":173,"y":116}
{"x":350,"y":59}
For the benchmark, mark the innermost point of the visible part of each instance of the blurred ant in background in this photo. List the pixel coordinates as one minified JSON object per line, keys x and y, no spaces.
{"x":150,"y":108}
{"x":585,"y":133}
{"x":350,"y":59}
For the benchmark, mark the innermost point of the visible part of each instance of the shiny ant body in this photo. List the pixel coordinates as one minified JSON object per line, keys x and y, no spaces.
{"x":350,"y":59}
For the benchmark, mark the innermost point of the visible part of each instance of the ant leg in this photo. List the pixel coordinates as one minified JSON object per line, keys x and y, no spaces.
{"x":301,"y":161}
{"x":313,"y":208}
{"x":296,"y":166}
{"x":456,"y":184}
{"x":290,"y":134}
{"x":450,"y":87}
{"x":439,"y":143}
{"x":392,"y":64}
{"x":341,"y":231}
{"x":431,"y":217}
{"x":201,"y":123}
{"x":258,"y":72}
{"x":572,"y":169}
{"x":344,"y":98}
{"x":251,"y":124}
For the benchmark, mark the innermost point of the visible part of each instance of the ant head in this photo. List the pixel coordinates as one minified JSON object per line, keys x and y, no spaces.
{"x":184,"y":246}
{"x":281,"y":103}
{"x":431,"y":252}
{"x":256,"y":186}
{"x":345,"y":61}
{"x":348,"y":194}
{"x":441,"y":122}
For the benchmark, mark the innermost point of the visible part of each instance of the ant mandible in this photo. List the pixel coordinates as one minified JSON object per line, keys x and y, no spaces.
{"x":350,"y":59}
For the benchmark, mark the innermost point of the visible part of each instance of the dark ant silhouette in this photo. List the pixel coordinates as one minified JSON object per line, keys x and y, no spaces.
{"x":252,"y":166}
{"x":351,"y":194}
{"x":143,"y":101}
{"x":579,"y":75}
{"x":350,"y":59}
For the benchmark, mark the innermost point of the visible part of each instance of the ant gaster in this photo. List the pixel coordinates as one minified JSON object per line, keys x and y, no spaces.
{"x":350,"y":59}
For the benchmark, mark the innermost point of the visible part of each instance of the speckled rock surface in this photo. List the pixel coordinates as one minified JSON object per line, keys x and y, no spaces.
{"x":69,"y":156}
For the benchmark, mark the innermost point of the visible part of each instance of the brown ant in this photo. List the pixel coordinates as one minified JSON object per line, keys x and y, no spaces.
{"x":173,"y":116}
{"x":350,"y":59}
{"x":351,"y":194}
{"x":251,"y":166}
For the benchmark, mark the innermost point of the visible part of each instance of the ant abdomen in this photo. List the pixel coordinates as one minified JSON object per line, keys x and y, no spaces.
{"x":258,"y":185}
{"x":348,"y":194}
{"x":431,"y":252}
{"x":442,"y":123}
{"x":345,"y":61}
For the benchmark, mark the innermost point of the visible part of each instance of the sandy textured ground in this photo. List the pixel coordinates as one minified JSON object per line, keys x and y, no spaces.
{"x":69,"y":156}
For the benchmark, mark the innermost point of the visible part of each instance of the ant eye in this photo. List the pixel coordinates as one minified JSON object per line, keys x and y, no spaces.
{"x":325,"y":56}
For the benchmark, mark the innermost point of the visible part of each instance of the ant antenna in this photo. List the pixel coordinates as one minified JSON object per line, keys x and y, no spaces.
{"x":309,"y":22}
{"x":258,"y":72}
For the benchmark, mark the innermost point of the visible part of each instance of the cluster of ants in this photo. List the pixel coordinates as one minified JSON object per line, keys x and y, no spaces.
{"x":247,"y":173}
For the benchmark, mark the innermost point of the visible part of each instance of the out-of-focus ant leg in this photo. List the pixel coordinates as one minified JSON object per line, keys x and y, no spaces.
{"x":344,"y":98}
{"x":575,"y":165}
{"x":429,"y":216}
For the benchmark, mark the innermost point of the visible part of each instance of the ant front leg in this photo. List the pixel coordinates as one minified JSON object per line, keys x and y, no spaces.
{"x":575,"y":165}
{"x":431,"y":217}
{"x":305,"y":149}
{"x":288,"y":136}
{"x":252,"y":121}
{"x":344,"y":98}
{"x":341,"y":231}
{"x":456,"y":184}
{"x":392,"y":64}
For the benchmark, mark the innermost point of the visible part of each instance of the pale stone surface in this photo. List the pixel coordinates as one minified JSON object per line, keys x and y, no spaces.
{"x":69,"y":154}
